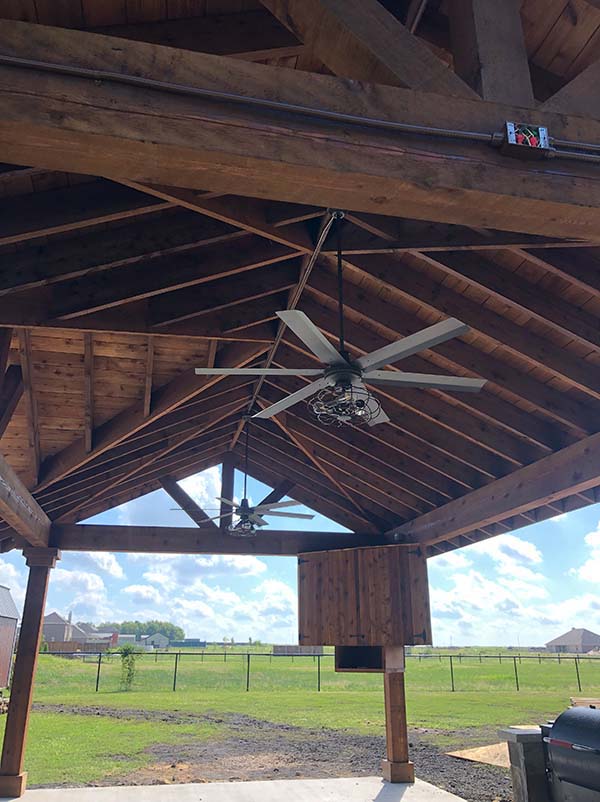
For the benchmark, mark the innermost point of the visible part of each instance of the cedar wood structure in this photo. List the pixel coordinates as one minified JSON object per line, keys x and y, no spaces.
{"x":152,"y":221}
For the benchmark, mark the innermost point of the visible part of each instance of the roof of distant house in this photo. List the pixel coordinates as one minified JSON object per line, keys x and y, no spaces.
{"x":577,"y":637}
{"x":8,"y":609}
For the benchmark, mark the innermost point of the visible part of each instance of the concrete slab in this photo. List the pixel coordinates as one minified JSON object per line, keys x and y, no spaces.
{"x":355,"y":789}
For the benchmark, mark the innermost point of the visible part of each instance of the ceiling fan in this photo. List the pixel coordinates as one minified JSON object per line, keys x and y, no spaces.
{"x":250,"y":517}
{"x":338,"y":394}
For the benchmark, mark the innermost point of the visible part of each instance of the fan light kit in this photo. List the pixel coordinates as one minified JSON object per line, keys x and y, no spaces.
{"x":338,"y":394}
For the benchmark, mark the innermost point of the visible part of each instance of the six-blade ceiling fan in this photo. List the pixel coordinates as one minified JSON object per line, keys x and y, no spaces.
{"x":339,"y":394}
{"x":251,"y":517}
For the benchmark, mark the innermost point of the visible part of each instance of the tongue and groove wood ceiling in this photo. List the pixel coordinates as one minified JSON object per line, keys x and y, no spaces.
{"x":110,"y":296}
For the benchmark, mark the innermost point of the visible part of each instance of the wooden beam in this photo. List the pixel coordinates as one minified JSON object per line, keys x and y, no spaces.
{"x":167,"y":398}
{"x":186,"y":502}
{"x":181,"y":540}
{"x":227,"y":491}
{"x":416,"y":9}
{"x":10,"y":395}
{"x":33,"y":429}
{"x":148,"y":376}
{"x":572,"y":470}
{"x":283,"y":489}
{"x":489,"y":49}
{"x":20,"y":510}
{"x":359,"y":39}
{"x":299,"y":160}
{"x":578,"y":96}
{"x":88,"y":389}
{"x":12,"y":777}
{"x":5,"y":341}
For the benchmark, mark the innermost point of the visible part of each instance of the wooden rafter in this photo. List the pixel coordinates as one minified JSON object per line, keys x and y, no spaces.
{"x":88,"y":389}
{"x":187,"y":503}
{"x":20,"y":510}
{"x":569,"y":471}
{"x":359,"y":39}
{"x":10,"y":395}
{"x":33,"y":430}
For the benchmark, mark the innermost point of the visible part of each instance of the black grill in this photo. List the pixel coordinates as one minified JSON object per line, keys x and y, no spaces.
{"x":573,"y":745}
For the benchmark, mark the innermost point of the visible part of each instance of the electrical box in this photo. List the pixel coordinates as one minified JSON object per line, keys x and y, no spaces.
{"x":525,"y":141}
{"x":375,"y":596}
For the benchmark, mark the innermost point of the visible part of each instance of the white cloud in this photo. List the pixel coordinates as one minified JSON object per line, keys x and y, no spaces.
{"x":452,"y":559}
{"x":590,"y":570}
{"x":15,"y":581}
{"x":96,"y":561}
{"x":84,"y":594}
{"x":204,"y":487}
{"x":143,"y":594}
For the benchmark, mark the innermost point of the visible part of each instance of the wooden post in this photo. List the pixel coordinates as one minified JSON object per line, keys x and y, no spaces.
{"x":396,"y":768}
{"x":227,"y":490}
{"x":12,"y":777}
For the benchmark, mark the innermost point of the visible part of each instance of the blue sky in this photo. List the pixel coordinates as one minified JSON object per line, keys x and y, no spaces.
{"x":518,"y":589}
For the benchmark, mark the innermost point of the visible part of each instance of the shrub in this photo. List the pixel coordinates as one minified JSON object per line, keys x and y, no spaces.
{"x":127,"y":652}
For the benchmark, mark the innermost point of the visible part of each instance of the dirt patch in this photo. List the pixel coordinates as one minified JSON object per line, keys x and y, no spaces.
{"x":252,"y":749}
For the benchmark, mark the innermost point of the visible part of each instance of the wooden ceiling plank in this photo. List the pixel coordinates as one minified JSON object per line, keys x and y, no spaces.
{"x":20,"y":510}
{"x":571,"y":470}
{"x":62,"y":210}
{"x":457,"y":191}
{"x":509,"y":288}
{"x":174,"y":443}
{"x":183,"y":388}
{"x":166,"y":275}
{"x":360,"y":39}
{"x":5,"y":341}
{"x":268,"y":274}
{"x":416,"y":285}
{"x":581,"y":269}
{"x":489,"y":49}
{"x":391,"y":499}
{"x":187,"y":503}
{"x":181,"y":540}
{"x":95,"y":251}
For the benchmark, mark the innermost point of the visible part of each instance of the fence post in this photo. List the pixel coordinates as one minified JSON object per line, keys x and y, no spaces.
{"x":452,"y":673}
{"x":539,"y":658}
{"x":558,"y":658}
{"x":500,"y":658}
{"x":480,"y":658}
{"x":98,"y":671}
{"x":175,"y":670}
{"x":516,"y":673}
{"x":224,"y":656}
{"x":318,"y":672}
{"x":248,"y":672}
{"x":578,"y":676}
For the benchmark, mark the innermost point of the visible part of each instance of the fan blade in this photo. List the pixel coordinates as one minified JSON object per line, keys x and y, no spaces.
{"x":257,"y":520}
{"x":424,"y":381}
{"x":276,"y":506}
{"x":257,"y":372}
{"x":294,"y":398}
{"x":428,"y":338}
{"x":227,"y":501}
{"x":305,"y":329}
{"x":289,"y":514}
{"x":381,"y":417}
{"x":218,"y":517}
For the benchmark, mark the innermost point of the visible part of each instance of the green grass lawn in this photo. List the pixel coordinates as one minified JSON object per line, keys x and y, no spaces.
{"x":65,"y":747}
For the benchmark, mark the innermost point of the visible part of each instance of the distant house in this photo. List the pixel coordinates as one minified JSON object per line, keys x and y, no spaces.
{"x":57,"y":629}
{"x":576,"y":641}
{"x":124,"y":639}
{"x":157,"y":641}
{"x":8,"y":629}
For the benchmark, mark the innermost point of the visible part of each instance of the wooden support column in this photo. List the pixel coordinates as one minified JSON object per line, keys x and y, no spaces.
{"x":396,"y":768}
{"x":12,"y":777}
{"x":227,"y":489}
